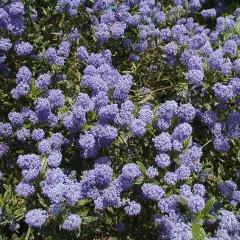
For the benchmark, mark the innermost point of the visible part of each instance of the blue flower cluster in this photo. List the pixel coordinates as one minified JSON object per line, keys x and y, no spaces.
{"x":133,"y":157}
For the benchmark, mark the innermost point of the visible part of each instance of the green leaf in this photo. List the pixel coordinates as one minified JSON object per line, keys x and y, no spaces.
{"x":28,"y":233}
{"x":176,"y":160}
{"x":108,"y":220}
{"x":142,"y":167}
{"x":183,"y":201}
{"x":89,"y":219}
{"x":7,"y":196}
{"x":206,"y":85}
{"x":83,"y":202}
{"x":203,"y":233}
{"x":41,"y":201}
{"x":82,"y":212}
{"x":139,"y":181}
{"x":237,"y":28}
{"x":211,"y":217}
{"x":86,"y":127}
{"x":189,"y":181}
{"x":208,"y":207}
{"x":196,"y":231}
{"x":44,"y":164}
{"x":186,"y":143}
{"x":238,"y":155}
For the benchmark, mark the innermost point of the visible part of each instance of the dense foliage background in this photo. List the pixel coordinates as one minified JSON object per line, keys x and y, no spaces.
{"x":119,"y":119}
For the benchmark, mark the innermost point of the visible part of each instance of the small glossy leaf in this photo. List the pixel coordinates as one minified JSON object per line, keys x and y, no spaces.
{"x":196,"y":231}
{"x":89,"y":219}
{"x":83,"y":202}
{"x":208,"y":207}
{"x":142,"y":167}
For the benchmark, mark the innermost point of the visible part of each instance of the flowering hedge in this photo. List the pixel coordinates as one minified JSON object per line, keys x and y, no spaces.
{"x":119,"y":119}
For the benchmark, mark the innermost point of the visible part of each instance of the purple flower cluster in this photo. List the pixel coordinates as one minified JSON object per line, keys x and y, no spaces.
{"x":23,"y":79}
{"x":23,"y":48}
{"x":173,"y":226}
{"x":12,"y":18}
{"x":58,"y":187}
{"x":36,"y":218}
{"x":69,"y":7}
{"x":72,"y":222}
{"x":5,"y":130}
{"x":132,"y":208}
{"x":151,"y":191}
{"x":53,"y":58}
{"x":3,"y":148}
{"x":31,"y":166}
{"x":102,"y":120}
{"x":25,"y":189}
{"x":229,"y":190}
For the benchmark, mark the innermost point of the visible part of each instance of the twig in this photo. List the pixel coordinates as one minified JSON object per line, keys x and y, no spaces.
{"x":206,"y":143}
